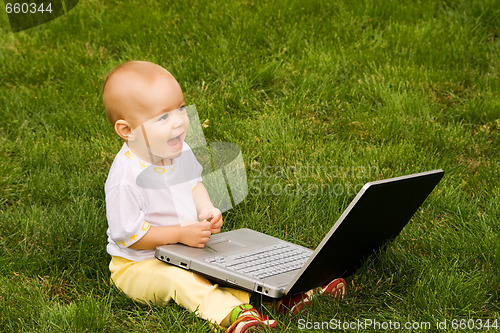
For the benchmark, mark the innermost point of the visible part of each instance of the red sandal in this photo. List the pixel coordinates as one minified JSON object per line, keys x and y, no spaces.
{"x":295,"y":303}
{"x":245,"y":316}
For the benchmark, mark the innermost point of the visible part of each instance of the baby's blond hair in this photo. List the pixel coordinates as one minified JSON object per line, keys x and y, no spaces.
{"x":118,"y":86}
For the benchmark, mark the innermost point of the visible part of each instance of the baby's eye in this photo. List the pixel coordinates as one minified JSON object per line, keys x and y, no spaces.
{"x":163,"y":117}
{"x":182,"y":108}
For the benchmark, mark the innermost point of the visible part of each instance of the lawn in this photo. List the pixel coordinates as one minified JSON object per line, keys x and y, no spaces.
{"x":321,"y":97}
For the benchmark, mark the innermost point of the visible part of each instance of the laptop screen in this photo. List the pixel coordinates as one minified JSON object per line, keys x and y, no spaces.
{"x":376,"y":215}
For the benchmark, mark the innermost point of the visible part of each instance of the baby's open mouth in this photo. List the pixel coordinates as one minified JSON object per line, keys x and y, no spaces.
{"x":174,"y":141}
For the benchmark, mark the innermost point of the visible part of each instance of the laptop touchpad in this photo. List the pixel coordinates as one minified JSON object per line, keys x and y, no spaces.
{"x":223,"y":245}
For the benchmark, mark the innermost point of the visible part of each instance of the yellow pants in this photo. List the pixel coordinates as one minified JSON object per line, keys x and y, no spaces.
{"x":157,"y":282}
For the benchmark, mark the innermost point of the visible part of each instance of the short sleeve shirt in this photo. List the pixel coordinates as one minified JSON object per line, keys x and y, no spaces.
{"x":140,"y":195}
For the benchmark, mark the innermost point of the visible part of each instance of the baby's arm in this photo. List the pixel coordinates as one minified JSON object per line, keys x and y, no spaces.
{"x":205,"y":208}
{"x":195,"y":234}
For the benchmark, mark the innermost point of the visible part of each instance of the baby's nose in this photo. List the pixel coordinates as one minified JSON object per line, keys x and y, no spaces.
{"x":177,"y":119}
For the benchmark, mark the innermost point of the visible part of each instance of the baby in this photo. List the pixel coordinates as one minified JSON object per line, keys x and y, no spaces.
{"x":154,"y":196}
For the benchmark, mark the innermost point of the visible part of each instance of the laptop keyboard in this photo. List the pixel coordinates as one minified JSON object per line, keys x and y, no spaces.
{"x":265,"y":262}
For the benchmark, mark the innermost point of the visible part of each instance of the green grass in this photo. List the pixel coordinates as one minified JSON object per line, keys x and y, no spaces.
{"x":381,"y":88}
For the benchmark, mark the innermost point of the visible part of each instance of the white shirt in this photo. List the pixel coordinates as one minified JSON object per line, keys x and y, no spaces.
{"x":140,"y":195}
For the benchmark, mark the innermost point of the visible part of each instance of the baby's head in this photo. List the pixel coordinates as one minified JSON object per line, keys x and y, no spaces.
{"x":146,"y":107}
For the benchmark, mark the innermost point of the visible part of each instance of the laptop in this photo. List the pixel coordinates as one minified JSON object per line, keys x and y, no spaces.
{"x":260,"y":263}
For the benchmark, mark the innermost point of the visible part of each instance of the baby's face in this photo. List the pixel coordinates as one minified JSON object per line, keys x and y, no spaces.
{"x":161,"y":122}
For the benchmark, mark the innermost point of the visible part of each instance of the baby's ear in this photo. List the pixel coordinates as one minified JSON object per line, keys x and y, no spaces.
{"x":124,"y":130}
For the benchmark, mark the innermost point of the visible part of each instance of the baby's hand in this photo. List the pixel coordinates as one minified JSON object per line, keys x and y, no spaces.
{"x":214,"y":216}
{"x":195,"y":234}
